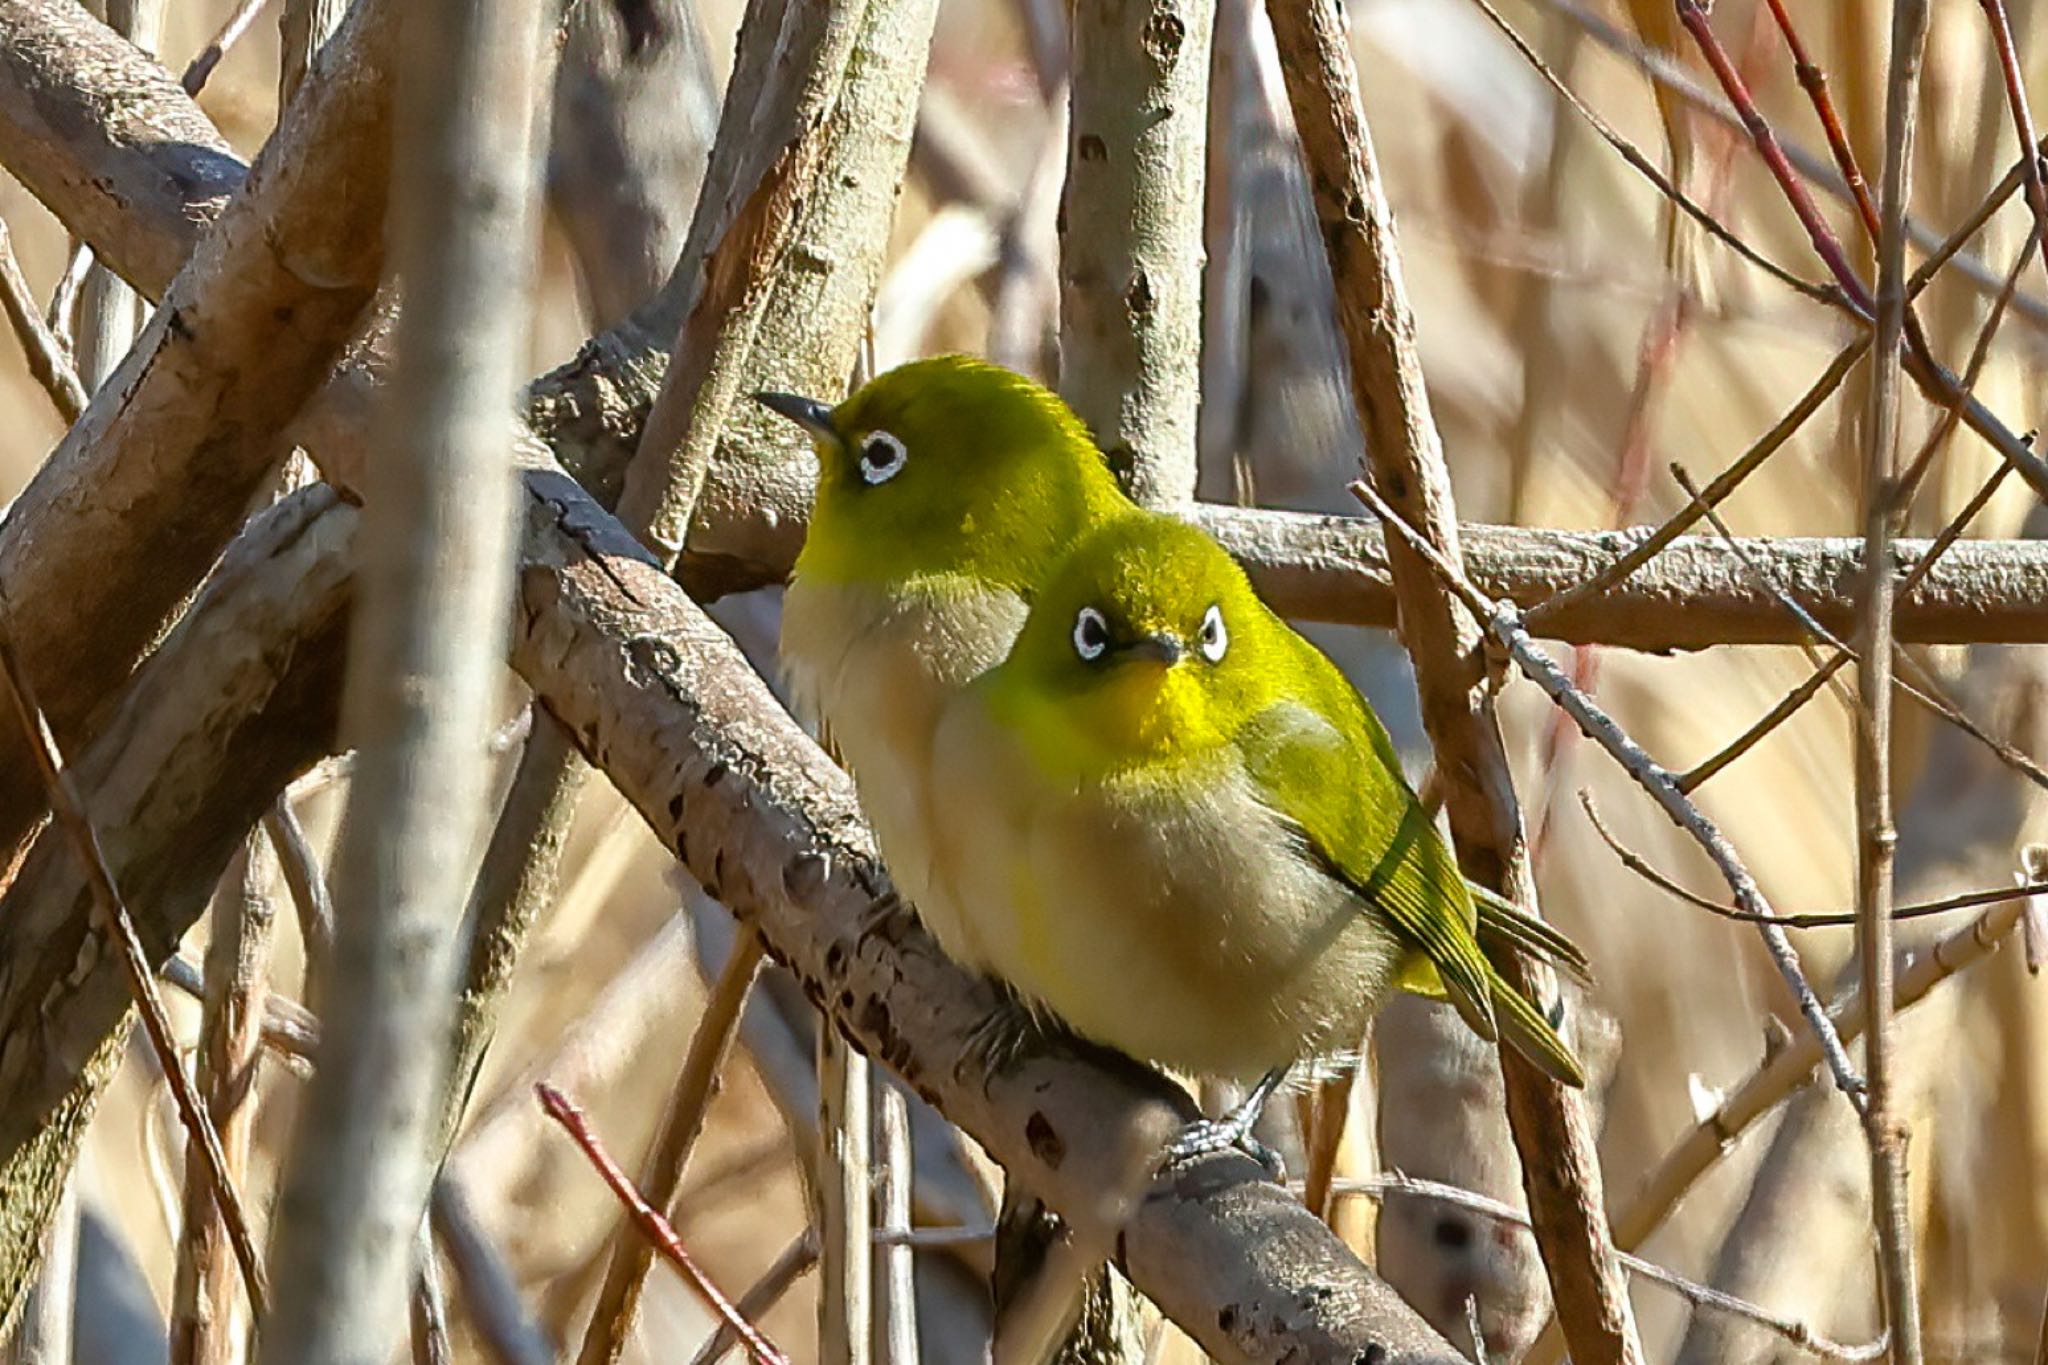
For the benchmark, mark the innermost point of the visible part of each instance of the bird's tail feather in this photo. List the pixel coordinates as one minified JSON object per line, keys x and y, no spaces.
{"x":1505,"y":925}
{"x":1525,"y":1028}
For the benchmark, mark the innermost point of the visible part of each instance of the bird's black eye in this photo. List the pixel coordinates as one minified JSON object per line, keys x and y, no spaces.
{"x":882,"y":457}
{"x":1091,"y":634}
{"x":1215,"y":637}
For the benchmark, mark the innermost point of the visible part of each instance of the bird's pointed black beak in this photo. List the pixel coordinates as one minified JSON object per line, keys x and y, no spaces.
{"x":1164,"y":648}
{"x":808,"y":413}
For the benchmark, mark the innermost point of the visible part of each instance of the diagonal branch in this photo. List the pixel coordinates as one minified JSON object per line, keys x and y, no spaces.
{"x":1552,"y":1129}
{"x":165,"y":459}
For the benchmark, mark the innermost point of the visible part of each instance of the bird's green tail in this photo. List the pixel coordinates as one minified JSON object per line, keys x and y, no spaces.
{"x":1524,"y":1026}
{"x":1505,"y":928}
{"x":1503,"y":924}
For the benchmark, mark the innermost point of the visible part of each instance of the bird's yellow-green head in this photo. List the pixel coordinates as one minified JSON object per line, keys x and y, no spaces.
{"x":948,"y":466}
{"x":1147,"y":645}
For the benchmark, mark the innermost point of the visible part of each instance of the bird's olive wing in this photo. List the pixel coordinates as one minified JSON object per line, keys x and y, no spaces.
{"x":1326,"y":767}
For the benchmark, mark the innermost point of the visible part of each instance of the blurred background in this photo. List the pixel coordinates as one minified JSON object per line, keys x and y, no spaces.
{"x":1577,"y":342}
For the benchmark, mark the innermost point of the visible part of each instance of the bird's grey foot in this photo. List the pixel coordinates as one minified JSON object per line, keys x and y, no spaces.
{"x":1205,"y":1137}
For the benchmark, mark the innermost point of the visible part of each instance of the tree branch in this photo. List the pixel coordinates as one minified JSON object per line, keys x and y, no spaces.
{"x":240,"y":698}
{"x":1552,"y":1130}
{"x":163,"y":463}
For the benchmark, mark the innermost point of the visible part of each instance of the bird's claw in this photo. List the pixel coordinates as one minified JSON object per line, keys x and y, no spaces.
{"x":1206,"y":1137}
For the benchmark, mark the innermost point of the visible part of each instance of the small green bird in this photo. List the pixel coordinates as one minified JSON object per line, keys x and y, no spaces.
{"x":949,"y":493}
{"x":1171,"y":822}
{"x":948,"y":489}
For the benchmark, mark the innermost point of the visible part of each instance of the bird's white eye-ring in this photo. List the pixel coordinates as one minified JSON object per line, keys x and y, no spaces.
{"x":1091,"y":634}
{"x":1215,"y":639}
{"x":882,"y":457}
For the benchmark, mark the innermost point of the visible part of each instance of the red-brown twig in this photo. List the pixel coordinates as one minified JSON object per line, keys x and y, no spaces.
{"x":652,"y":1224}
{"x":1825,"y":244}
{"x":2022,"y":118}
{"x":68,"y":805}
{"x":1650,"y":171}
{"x":1814,"y":82}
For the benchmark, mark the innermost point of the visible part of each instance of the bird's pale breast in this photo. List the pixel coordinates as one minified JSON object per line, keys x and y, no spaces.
{"x":1170,"y":916}
{"x":877,"y":664}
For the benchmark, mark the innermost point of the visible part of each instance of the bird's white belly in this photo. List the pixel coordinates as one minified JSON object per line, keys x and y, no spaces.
{"x":877,"y":670}
{"x":1191,"y":934}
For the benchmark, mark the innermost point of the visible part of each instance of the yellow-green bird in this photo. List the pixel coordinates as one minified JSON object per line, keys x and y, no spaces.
{"x":947,"y":491}
{"x":949,"y":494}
{"x":1173,"y":824}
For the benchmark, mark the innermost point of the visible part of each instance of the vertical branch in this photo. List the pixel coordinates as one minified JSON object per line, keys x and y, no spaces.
{"x":845,"y":1198}
{"x":1560,"y":1169}
{"x":1131,"y":236}
{"x":49,"y":361}
{"x":893,"y":1178}
{"x":425,"y":663}
{"x":204,"y":1329}
{"x":1877,"y":839}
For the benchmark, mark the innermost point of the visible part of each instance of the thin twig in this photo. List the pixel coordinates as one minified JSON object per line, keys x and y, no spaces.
{"x":49,"y":359}
{"x":1825,"y":244}
{"x":1505,"y":624}
{"x":1828,"y":919}
{"x":618,"y":1302}
{"x":1919,"y":358}
{"x":307,"y":883}
{"x":1691,"y":779}
{"x":1664,"y":71}
{"x":652,"y":1225}
{"x":1792,"y":1066}
{"x":62,"y":314}
{"x":2022,"y":117}
{"x":1814,"y":81}
{"x":1926,"y":691}
{"x":289,"y":1028}
{"x":226,"y":36}
{"x":1952,"y":411}
{"x":1884,"y":1129}
{"x":1635,"y":157}
{"x":1799,"y":1334}
{"x":68,"y":805}
{"x":763,"y":1294}
{"x":1724,"y":484}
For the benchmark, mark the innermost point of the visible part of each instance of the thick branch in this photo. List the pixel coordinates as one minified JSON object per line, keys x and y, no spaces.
{"x":87,"y":121}
{"x":132,"y":509}
{"x":240,"y":698}
{"x":663,"y":701}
